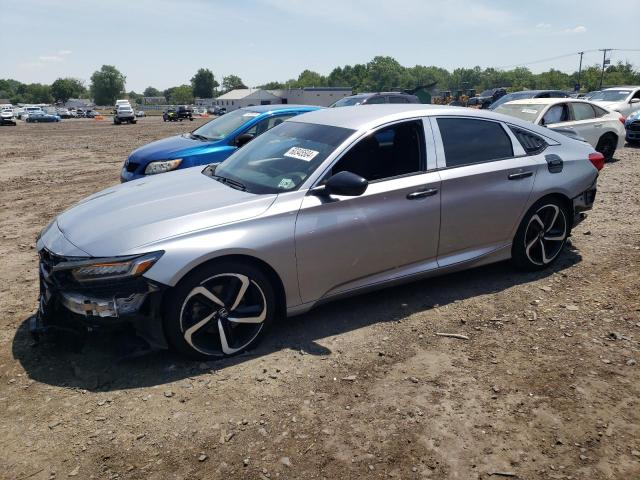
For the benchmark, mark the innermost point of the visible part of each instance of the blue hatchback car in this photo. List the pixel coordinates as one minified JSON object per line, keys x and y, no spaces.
{"x":632,"y":125}
{"x":213,"y":142}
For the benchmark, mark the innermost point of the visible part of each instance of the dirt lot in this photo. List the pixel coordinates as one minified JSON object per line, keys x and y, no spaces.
{"x":546,"y":387}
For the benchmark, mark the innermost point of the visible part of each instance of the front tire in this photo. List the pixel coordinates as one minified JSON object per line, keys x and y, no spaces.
{"x":219,"y":310}
{"x":541,"y":236}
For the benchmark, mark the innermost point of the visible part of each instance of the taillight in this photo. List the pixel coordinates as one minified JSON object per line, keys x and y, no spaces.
{"x":622,"y":119}
{"x":597,"y":159}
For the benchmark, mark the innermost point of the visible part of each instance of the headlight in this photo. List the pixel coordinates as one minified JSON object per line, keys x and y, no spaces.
{"x":162,"y":166}
{"x":45,"y":229}
{"x":110,"y":268}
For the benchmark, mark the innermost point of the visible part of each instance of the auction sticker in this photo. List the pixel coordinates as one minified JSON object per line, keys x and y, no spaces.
{"x":301,"y":153}
{"x":286,"y":183}
{"x":250,"y":114}
{"x":528,"y":110}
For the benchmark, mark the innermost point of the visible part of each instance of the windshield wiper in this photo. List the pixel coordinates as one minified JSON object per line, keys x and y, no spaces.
{"x":199,"y":137}
{"x":232,"y":183}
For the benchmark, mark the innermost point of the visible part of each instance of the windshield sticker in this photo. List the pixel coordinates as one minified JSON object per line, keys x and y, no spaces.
{"x":286,"y":183}
{"x":301,"y":153}
{"x":250,"y":114}
{"x":528,"y":110}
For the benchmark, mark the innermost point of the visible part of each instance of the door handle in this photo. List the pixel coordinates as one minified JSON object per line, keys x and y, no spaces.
{"x":597,"y":124}
{"x":519,"y":175}
{"x":422,"y":194}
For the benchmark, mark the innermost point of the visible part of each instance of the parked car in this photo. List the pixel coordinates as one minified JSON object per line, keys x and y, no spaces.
{"x":124,"y":114}
{"x":63,"y":113}
{"x":375,"y":98}
{"x":184,"y":112}
{"x":140,"y":114}
{"x":30,"y":110}
{"x":509,"y":97}
{"x":625,"y":100}
{"x":328,"y":204}
{"x":41,"y":117}
{"x":220,"y":111}
{"x":7,"y":117}
{"x":213,"y":142}
{"x":603,"y":129}
{"x":91,"y":114}
{"x":170,"y":115}
{"x":632,"y":127}
{"x":485,"y":98}
{"x":80,"y":113}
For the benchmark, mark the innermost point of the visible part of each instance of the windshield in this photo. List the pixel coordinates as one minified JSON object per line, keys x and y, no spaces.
{"x":220,"y":127}
{"x":610,"y":96}
{"x":511,"y":96}
{"x":348,"y":102}
{"x":281,"y":159}
{"x":528,"y":112}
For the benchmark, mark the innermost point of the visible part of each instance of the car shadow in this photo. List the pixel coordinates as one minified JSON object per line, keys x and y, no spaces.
{"x":101,"y":366}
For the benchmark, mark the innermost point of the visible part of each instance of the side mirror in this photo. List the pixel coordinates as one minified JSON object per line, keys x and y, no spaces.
{"x":344,"y":183}
{"x":634,"y":100}
{"x":243,"y":139}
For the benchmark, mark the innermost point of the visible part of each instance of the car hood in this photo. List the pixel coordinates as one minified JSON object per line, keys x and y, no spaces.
{"x":118,"y":220}
{"x":172,"y":147}
{"x":606,"y":104}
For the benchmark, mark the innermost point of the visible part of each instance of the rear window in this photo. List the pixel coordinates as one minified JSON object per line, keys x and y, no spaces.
{"x":524,"y":111}
{"x":467,"y":141}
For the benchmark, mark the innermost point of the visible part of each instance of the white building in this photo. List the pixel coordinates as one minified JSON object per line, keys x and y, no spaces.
{"x":245,"y":97}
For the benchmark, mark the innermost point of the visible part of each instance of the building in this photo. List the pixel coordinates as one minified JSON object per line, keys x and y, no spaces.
{"x":245,"y":97}
{"x":154,"y":101}
{"x":79,"y":103}
{"x":321,"y":96}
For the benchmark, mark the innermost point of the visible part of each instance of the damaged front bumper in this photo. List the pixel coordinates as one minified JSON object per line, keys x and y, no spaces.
{"x":74,"y":307}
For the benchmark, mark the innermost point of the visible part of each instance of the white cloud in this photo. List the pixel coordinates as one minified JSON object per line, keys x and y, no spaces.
{"x":578,"y":29}
{"x":543,"y":26}
{"x":64,"y":52}
{"x":50,"y":58}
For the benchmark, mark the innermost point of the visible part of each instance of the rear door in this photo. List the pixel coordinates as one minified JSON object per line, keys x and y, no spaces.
{"x":486,"y":183}
{"x":585,"y":123}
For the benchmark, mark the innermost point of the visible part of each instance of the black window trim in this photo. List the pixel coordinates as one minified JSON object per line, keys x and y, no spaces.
{"x":326,"y":174}
{"x":465,"y":117}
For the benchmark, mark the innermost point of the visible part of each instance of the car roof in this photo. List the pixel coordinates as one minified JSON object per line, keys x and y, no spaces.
{"x":371,"y":116}
{"x":621,"y":87}
{"x":544,"y":101}
{"x":280,"y":108}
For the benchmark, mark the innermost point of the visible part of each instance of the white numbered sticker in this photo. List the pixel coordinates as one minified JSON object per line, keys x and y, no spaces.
{"x":301,"y":153}
{"x":528,"y":110}
{"x":250,"y":114}
{"x":286,"y":183}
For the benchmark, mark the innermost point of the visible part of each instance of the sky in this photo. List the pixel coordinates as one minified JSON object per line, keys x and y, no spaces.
{"x":162,"y":43}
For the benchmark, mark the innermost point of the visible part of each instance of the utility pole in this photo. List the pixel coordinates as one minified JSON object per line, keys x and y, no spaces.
{"x":580,"y":71}
{"x":604,"y":62}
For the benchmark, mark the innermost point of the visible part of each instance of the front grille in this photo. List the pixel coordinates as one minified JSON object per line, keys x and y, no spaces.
{"x":634,"y":126}
{"x":132,"y":167}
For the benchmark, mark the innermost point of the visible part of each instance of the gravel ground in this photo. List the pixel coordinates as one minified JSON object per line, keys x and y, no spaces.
{"x":546,"y":386}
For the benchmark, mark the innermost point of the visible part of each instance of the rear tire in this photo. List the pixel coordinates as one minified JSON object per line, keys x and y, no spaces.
{"x":219,"y":310}
{"x":607,"y":146}
{"x":541,"y":236}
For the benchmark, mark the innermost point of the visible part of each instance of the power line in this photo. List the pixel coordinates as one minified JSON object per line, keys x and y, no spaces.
{"x":558,"y":57}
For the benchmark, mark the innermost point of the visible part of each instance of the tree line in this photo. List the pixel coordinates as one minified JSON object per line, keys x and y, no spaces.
{"x":381,"y":73}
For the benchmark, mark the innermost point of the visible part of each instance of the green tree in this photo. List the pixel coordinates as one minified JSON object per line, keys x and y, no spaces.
{"x":107,"y":84}
{"x":182,"y":95}
{"x":65,"y":88}
{"x":204,"y":83}
{"x":272,"y":86}
{"x":152,"y":92}
{"x":231,"y":82}
{"x":135,"y":97}
{"x":309,"y":78}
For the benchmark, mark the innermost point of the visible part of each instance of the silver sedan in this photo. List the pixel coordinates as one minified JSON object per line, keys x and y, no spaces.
{"x":328,"y":204}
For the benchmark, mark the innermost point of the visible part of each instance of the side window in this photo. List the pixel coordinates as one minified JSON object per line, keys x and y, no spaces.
{"x":582,"y":111}
{"x":398,"y":100}
{"x":389,"y":152}
{"x":636,"y":95}
{"x":556,"y":114}
{"x":267,"y":124}
{"x":374,"y":100}
{"x":532,"y":143}
{"x":467,"y":141}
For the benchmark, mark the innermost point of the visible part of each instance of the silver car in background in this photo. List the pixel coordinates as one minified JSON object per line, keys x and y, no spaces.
{"x":327,"y":204}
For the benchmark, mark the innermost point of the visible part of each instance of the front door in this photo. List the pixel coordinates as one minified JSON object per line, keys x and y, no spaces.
{"x":345,"y":243}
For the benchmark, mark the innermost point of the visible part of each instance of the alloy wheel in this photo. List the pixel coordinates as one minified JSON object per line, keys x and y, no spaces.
{"x":545,"y":235}
{"x":223,"y":314}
